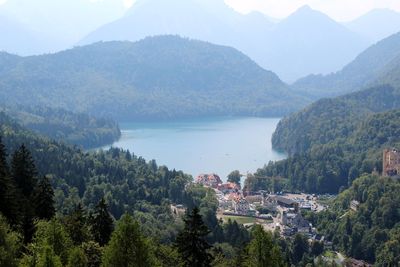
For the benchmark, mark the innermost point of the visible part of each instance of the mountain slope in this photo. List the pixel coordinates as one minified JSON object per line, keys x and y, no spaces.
{"x":307,"y":42}
{"x":73,"y":128}
{"x":376,"y":24}
{"x":369,"y":66}
{"x":371,"y":232}
{"x":294,"y":47}
{"x":126,"y":181}
{"x":157,"y":78}
{"x":333,"y":141}
{"x":328,"y":120}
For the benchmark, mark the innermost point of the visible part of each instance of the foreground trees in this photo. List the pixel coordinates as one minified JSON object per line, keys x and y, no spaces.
{"x":10,"y":244}
{"x":191,"y":242}
{"x":128,"y":247}
{"x":262,"y":251}
{"x":102,"y":224}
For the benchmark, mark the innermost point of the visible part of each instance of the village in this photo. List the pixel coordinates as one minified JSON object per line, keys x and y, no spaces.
{"x":275,"y":212}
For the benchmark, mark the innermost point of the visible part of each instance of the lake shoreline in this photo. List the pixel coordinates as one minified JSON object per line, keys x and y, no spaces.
{"x":207,"y":145}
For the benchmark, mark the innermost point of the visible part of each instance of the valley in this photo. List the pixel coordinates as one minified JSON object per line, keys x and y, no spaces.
{"x":199,"y":133}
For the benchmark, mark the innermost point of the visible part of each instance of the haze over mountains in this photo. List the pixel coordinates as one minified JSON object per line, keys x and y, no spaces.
{"x":376,"y":65}
{"x":162,"y":77}
{"x":301,"y":44}
{"x":376,"y":24}
{"x":306,"y":42}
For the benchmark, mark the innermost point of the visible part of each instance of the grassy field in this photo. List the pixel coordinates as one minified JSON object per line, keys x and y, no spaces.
{"x":238,"y":219}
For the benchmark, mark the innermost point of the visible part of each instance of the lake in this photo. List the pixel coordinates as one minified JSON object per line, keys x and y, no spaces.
{"x":218,"y":145}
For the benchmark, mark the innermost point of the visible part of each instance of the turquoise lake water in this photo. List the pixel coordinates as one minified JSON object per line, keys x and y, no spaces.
{"x":218,"y":145}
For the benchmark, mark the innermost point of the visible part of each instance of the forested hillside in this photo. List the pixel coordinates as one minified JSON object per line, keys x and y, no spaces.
{"x":345,"y":149}
{"x":126,"y":181}
{"x":374,"y":64}
{"x":73,"y":128}
{"x":156,"y":78}
{"x":60,"y":206}
{"x":372,"y":232}
{"x":328,"y":120}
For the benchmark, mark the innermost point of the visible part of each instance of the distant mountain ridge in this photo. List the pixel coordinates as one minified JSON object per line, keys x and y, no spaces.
{"x":157,"y":78}
{"x":369,"y":68}
{"x":304,"y":43}
{"x":294,"y":47}
{"x":376,"y":24}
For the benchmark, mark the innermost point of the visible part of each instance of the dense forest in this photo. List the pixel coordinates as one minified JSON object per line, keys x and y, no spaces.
{"x":330,"y":120}
{"x":372,"y":231}
{"x":332,"y":143}
{"x":163,"y":77}
{"x":60,"y":206}
{"x":73,"y":128}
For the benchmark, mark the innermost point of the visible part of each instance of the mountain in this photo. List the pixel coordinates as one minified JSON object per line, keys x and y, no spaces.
{"x":16,"y":37}
{"x":373,"y":64}
{"x":51,"y":24}
{"x":330,"y":119}
{"x":376,"y":24}
{"x":306,"y":42}
{"x":334,"y":141}
{"x":157,"y":17}
{"x":161,"y":77}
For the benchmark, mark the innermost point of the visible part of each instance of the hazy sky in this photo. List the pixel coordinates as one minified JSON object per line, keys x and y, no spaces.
{"x":341,"y":10}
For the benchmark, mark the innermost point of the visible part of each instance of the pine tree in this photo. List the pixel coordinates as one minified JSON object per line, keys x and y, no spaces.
{"x":76,"y":225}
{"x":43,"y":199}
{"x":191,"y":242}
{"x":24,"y":171}
{"x":128,"y":247}
{"x":102,"y":224}
{"x":8,"y":194}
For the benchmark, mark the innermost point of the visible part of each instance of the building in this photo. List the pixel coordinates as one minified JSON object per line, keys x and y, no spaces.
{"x":241,"y":206}
{"x":228,"y":188}
{"x":295,"y":221}
{"x":287,"y":203}
{"x":210,"y":180}
{"x":255,"y":199}
{"x":391,"y":162}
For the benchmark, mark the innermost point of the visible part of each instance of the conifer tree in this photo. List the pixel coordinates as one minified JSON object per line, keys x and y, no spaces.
{"x":128,"y":247}
{"x":191,"y":242}
{"x":24,"y":174}
{"x":24,"y":171}
{"x":43,"y":199}
{"x":76,"y":225}
{"x":102,"y":224}
{"x":8,"y":195}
